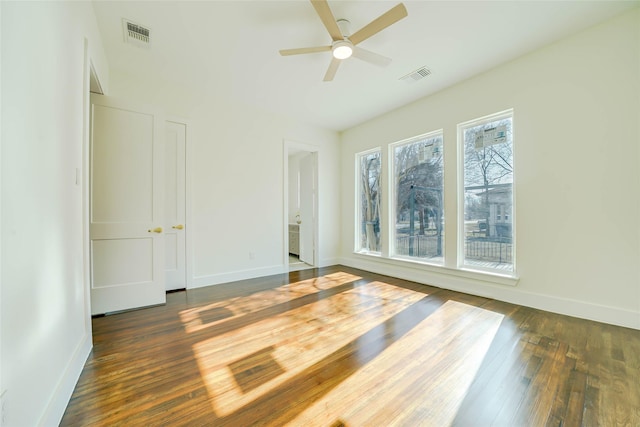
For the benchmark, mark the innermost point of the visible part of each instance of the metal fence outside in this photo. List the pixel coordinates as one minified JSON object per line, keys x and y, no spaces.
{"x":424,"y":246}
{"x":494,"y":249}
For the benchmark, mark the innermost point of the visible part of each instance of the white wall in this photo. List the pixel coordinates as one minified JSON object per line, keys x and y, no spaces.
{"x":237,"y":172}
{"x":576,"y":105}
{"x":45,"y":324}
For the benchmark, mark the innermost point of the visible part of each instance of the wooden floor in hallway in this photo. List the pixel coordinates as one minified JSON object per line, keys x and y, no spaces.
{"x":338,"y":346}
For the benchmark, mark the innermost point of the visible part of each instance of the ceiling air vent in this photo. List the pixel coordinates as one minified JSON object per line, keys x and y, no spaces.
{"x":416,"y":75}
{"x":136,"y":34}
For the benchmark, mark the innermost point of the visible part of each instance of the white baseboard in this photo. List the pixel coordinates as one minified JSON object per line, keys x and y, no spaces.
{"x":61,"y":396}
{"x":329,"y":262}
{"x":510,"y":294}
{"x":216,"y":279}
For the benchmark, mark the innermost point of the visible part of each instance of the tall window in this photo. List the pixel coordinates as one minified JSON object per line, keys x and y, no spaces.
{"x":488,"y":192}
{"x":368,"y":175}
{"x":418,"y":188}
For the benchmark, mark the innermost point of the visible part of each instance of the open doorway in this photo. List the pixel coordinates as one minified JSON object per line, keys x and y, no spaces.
{"x":301,"y":166}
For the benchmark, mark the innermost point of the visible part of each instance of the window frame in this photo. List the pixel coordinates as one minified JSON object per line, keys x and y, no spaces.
{"x":357,"y":244}
{"x":392,"y":202}
{"x":461,"y":127}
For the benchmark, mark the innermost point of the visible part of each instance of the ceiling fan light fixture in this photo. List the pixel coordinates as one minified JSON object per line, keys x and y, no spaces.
{"x":342,"y":50}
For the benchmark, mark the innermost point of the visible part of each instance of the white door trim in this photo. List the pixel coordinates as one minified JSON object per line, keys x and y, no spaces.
{"x":91,"y":79}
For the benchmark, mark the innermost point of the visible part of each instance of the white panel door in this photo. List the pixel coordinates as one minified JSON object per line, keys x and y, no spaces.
{"x":175,"y":205}
{"x":126,"y":208}
{"x":307,"y":208}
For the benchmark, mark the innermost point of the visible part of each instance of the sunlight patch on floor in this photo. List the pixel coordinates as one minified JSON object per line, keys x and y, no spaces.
{"x":296,"y":339}
{"x":195,"y":319}
{"x":419,"y":380}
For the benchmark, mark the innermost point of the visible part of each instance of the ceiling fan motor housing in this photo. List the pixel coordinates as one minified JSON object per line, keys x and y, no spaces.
{"x":342,"y":49}
{"x":345,"y":27}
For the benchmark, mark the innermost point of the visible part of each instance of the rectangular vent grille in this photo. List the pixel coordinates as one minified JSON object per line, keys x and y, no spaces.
{"x":416,"y":75}
{"x":136,"y":34}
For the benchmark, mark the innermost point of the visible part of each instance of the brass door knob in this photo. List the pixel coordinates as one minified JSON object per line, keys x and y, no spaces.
{"x":178,"y":227}
{"x":156,"y":230}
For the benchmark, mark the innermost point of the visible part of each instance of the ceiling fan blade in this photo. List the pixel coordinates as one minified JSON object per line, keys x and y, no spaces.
{"x":390,"y":17}
{"x":299,"y":51}
{"x":371,"y":57}
{"x":331,"y":71}
{"x":323,"y":11}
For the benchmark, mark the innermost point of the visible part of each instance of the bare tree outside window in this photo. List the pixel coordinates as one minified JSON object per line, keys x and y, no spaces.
{"x":369,"y":177}
{"x":488,"y":193}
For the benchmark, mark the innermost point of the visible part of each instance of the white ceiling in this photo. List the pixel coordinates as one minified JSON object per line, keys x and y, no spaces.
{"x":230,"y":48}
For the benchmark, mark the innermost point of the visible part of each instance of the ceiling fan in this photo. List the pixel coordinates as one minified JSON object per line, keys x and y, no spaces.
{"x":344,"y":45}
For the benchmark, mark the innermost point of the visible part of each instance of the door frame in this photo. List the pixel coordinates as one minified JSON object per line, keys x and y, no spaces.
{"x":291,"y":147}
{"x":91,"y":83}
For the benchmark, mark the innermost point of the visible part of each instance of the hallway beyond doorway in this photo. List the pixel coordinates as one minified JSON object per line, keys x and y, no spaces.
{"x":295,"y":264}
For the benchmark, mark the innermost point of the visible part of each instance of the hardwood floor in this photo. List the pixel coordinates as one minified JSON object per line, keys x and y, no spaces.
{"x":344,"y":347}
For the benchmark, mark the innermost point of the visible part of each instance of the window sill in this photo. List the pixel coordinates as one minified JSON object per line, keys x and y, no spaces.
{"x":369,"y":254}
{"x":463,"y":272}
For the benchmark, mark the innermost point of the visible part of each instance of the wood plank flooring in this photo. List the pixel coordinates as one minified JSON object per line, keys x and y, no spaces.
{"x":343,"y":347}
